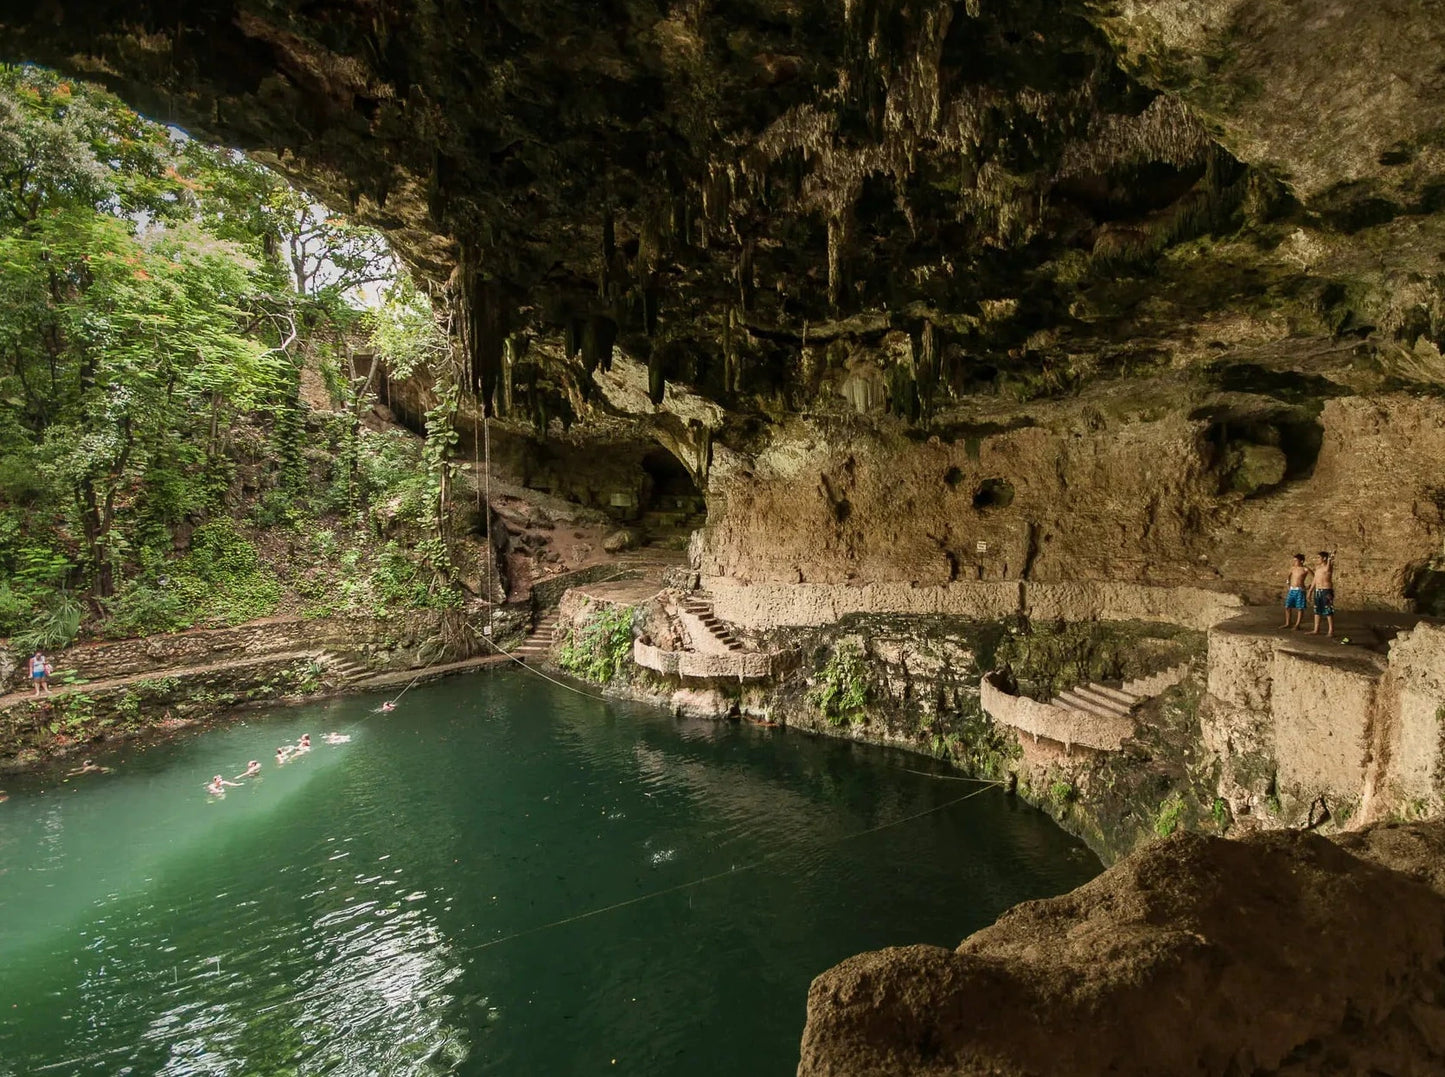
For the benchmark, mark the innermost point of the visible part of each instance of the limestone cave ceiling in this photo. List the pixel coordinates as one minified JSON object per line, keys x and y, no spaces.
{"x":751,"y":197}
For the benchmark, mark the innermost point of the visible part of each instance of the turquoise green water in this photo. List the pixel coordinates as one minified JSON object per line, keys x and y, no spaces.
{"x":381,"y":906}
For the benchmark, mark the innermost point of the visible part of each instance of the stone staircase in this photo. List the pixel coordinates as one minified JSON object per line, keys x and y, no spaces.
{"x":1107,"y":702}
{"x":1091,"y":715}
{"x":537,"y":646}
{"x":702,"y":609}
{"x":342,"y":668}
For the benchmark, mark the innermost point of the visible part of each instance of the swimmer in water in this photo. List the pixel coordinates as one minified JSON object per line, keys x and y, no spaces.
{"x":387,"y":707}
{"x":252,"y":769}
{"x":337,"y":738}
{"x":282,"y":754}
{"x":305,"y":743}
{"x":217,"y":786}
{"x":88,"y":766}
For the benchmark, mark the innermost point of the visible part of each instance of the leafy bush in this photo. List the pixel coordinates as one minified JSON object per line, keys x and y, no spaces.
{"x":842,"y":690}
{"x":220,"y":581}
{"x":56,"y":628}
{"x":16,"y":610}
{"x":601,"y":649}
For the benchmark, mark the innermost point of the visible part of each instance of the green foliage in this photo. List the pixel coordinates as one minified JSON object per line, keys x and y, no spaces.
{"x":1062,"y":793}
{"x":15,"y":610}
{"x":221,"y":581}
{"x":841,"y":693}
{"x":1170,"y":813}
{"x":406,"y":332}
{"x":1219,"y":811}
{"x":56,"y":628}
{"x":600,"y":650}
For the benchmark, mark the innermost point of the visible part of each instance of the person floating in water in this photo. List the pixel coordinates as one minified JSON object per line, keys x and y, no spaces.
{"x":1324,"y":589}
{"x":283,"y":754}
{"x":337,"y":738}
{"x":252,"y":769}
{"x":304,"y":745}
{"x":387,"y":707}
{"x":88,"y":766}
{"x":1294,"y":601}
{"x":217,"y":786}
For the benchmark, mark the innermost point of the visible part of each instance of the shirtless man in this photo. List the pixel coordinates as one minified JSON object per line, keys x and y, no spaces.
{"x":88,"y":766}
{"x":1324,"y":589}
{"x":217,"y":786}
{"x":252,"y":769}
{"x":283,"y":754}
{"x":1294,"y":602}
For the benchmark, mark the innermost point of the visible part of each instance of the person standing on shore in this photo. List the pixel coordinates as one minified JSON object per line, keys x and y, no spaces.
{"x":1294,"y":601}
{"x":40,"y":673}
{"x":1324,"y":593}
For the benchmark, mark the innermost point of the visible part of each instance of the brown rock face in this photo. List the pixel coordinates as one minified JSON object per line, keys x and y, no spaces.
{"x":1281,"y":954}
{"x":938,"y":197}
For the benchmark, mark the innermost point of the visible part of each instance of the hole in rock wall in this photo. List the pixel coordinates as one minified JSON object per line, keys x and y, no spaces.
{"x":993,"y":494}
{"x":670,"y":500}
{"x":1426,"y":588}
{"x":1257,"y":455}
{"x":952,"y":477}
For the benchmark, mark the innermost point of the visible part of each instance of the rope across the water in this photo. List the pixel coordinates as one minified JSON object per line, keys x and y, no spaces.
{"x":716,"y":875}
{"x":663,"y":892}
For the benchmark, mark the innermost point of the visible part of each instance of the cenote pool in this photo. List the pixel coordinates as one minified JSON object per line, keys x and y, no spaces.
{"x":380,"y":907}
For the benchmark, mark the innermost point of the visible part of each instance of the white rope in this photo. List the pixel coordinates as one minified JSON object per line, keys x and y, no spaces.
{"x":599,"y":911}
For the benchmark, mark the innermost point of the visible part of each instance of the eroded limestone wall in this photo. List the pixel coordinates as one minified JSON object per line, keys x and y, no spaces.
{"x":1292,"y":723}
{"x":1070,"y":493}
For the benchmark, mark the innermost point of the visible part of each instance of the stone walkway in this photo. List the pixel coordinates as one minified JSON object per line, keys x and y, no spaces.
{"x":60,"y":691}
{"x":380,"y":680}
{"x":1355,"y":630}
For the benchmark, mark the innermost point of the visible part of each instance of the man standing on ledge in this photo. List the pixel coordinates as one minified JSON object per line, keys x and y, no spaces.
{"x":1294,"y":602}
{"x":1324,"y":589}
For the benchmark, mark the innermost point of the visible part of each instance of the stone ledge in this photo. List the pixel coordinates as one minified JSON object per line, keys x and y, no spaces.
{"x":765,"y":606}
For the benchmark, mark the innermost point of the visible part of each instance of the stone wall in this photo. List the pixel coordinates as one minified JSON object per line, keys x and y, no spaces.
{"x":761,"y":607}
{"x":1069,"y":728}
{"x":1292,"y":723}
{"x":384,"y":644}
{"x":695,"y":665}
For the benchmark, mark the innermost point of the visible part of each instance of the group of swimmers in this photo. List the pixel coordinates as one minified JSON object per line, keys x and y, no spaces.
{"x":218,"y":785}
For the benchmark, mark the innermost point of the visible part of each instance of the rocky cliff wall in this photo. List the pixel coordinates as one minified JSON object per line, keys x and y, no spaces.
{"x":1302,"y":727}
{"x":1070,"y":493}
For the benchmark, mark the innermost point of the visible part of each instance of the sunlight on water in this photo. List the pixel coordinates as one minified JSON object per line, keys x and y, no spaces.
{"x":424,"y":899}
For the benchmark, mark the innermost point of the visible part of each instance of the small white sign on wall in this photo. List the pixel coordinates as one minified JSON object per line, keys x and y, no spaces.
{"x":981,"y":546}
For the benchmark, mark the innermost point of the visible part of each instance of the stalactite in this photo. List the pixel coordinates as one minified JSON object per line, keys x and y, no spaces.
{"x":484,"y":328}
{"x":651,"y":301}
{"x":838,"y":238}
{"x":745,"y":276}
{"x":599,"y":335}
{"x":732,"y":372}
{"x":656,"y":375}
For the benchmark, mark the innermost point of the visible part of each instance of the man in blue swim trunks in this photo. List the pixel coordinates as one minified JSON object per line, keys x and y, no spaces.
{"x":1294,"y":601}
{"x":1325,"y":593}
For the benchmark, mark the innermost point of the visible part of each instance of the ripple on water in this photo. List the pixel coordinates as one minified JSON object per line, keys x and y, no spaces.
{"x":343,"y":916}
